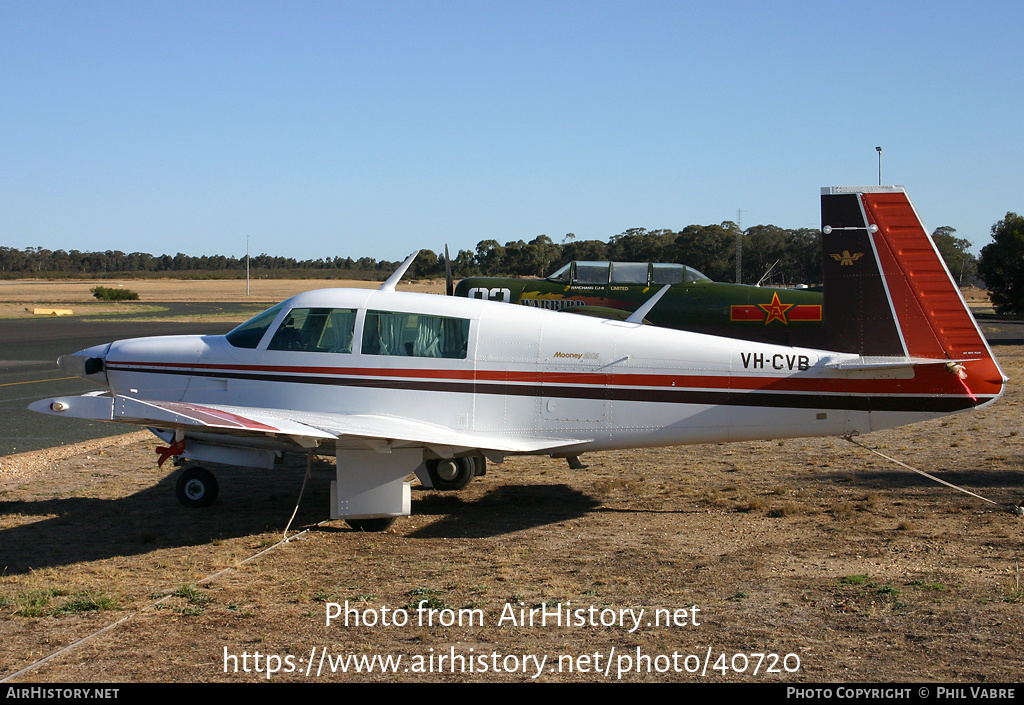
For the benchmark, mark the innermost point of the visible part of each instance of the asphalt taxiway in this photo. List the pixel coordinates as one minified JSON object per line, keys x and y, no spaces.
{"x":29,"y":349}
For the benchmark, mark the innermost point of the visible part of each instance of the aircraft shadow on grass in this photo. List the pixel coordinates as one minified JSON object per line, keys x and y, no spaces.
{"x":85,"y":529}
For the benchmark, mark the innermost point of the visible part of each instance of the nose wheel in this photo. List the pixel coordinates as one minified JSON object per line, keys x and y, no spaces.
{"x":197,"y":487}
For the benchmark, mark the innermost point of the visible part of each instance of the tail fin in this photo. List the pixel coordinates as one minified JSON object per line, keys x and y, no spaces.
{"x":887,"y":291}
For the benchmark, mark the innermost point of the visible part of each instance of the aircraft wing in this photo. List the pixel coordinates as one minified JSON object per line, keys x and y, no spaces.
{"x":303,"y":427}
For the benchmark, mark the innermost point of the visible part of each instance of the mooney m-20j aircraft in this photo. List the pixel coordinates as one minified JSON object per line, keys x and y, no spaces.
{"x":395,"y":383}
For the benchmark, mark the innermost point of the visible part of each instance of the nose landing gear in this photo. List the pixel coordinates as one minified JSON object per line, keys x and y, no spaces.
{"x":197,"y":487}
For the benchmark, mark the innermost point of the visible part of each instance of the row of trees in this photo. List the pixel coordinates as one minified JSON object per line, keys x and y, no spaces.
{"x":39,"y":261}
{"x":1002,"y":265}
{"x":711,"y":249}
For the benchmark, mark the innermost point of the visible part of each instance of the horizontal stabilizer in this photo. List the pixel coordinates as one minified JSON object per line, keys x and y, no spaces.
{"x":885,"y":363}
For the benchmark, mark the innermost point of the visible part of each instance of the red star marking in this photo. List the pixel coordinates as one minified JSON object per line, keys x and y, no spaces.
{"x":776,"y":310}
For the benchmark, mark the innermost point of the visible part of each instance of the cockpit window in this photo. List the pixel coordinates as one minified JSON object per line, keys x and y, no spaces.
{"x":629,"y":273}
{"x":250,"y":333}
{"x":323,"y":330}
{"x":414,"y":335}
{"x":626,"y":273}
{"x":667,"y":274}
{"x":592,"y":272}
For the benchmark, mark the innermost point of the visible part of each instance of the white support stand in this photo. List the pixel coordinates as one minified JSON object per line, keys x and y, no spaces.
{"x":371,"y":484}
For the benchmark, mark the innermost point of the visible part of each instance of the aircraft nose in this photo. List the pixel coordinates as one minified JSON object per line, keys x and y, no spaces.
{"x":86,"y":363}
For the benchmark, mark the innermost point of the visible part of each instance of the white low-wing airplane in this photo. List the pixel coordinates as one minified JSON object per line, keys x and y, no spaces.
{"x":395,"y":383}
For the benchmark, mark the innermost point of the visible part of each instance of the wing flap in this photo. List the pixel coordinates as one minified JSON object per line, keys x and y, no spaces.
{"x":407,"y":430}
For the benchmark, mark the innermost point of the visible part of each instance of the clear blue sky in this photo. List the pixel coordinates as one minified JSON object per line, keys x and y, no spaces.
{"x":376,"y":128}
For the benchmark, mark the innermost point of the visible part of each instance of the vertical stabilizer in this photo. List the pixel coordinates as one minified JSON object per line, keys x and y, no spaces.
{"x":887,"y":289}
{"x":858,"y":316}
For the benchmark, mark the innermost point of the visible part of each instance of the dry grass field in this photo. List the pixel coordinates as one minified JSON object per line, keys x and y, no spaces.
{"x":19,"y":297}
{"x":786,"y":561}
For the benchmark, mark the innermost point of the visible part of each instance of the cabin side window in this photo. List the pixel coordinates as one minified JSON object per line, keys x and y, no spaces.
{"x":415,"y":335}
{"x":323,"y":330}
{"x":250,"y":333}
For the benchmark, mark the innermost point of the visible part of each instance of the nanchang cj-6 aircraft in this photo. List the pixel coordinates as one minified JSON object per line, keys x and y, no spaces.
{"x":395,"y":383}
{"x":694,"y":302}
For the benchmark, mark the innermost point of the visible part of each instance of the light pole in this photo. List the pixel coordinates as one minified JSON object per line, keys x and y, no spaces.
{"x":879,"y":150}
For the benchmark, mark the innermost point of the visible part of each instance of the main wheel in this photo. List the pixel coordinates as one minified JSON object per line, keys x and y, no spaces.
{"x":454,"y":474}
{"x":197,"y":487}
{"x":368,"y":525}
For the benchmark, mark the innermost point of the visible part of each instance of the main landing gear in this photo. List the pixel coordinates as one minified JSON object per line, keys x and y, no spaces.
{"x":454,"y":474}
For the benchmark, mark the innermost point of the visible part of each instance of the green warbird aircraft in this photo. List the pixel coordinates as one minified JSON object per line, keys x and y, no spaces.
{"x":694,"y":302}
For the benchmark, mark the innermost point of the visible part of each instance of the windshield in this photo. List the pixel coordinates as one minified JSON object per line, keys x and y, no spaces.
{"x":250,"y":333}
{"x":562,"y":275}
{"x":692,"y":275}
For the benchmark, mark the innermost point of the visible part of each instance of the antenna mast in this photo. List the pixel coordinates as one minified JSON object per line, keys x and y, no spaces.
{"x":739,"y":246}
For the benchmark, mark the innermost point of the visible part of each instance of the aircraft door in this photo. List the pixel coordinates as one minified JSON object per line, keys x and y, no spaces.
{"x":506,"y":356}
